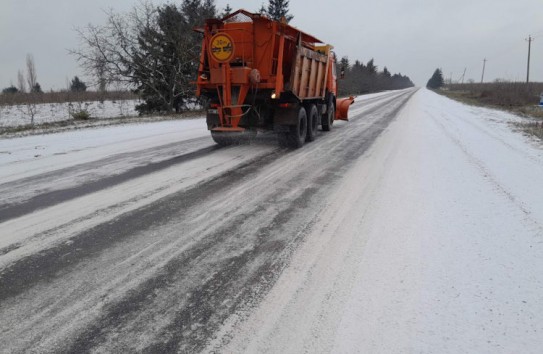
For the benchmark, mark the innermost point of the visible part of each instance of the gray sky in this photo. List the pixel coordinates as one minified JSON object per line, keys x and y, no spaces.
{"x":409,"y":36}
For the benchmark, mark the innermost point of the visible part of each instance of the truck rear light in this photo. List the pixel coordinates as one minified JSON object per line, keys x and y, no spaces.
{"x":214,"y":105}
{"x":284,"y":105}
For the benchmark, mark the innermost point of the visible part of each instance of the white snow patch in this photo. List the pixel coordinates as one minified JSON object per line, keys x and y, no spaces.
{"x":12,"y":116}
{"x":31,"y":155}
{"x":433,"y":243}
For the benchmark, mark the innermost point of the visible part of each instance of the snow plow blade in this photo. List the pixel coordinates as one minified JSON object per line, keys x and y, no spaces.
{"x":342,"y":108}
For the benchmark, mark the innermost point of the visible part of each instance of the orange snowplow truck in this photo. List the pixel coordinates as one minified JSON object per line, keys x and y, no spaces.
{"x":263,"y":74}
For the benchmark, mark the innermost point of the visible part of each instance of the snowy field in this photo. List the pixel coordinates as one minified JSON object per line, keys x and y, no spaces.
{"x":12,"y":116}
{"x":429,"y":240}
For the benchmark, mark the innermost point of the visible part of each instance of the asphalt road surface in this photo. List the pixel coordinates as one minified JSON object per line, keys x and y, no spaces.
{"x":154,"y":249}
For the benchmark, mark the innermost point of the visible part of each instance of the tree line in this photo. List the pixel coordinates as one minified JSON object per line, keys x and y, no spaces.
{"x":28,"y":84}
{"x":359,"y":78}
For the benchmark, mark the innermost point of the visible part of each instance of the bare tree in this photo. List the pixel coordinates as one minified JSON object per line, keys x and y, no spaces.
{"x":30,"y":109}
{"x":152,"y":50}
{"x":100,"y":72}
{"x":21,"y":84}
{"x":31,"y":76}
{"x":108,"y":52}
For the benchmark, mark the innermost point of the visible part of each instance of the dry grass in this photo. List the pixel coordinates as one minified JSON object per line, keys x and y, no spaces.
{"x":519,"y":98}
{"x":531,"y":111}
{"x":533,"y":128}
{"x":500,"y":94}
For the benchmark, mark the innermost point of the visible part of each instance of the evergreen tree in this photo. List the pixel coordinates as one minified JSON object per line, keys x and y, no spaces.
{"x":372,"y":77}
{"x":262,"y":10}
{"x":360,"y":78}
{"x":386,"y":73}
{"x":206,"y":10}
{"x":77,"y":85}
{"x":358,"y":65}
{"x":36,"y":88}
{"x":344,"y":64}
{"x":10,"y":90}
{"x":169,"y":54}
{"x":371,"y":67}
{"x":278,"y":9}
{"x":347,"y":77}
{"x":227,"y":11}
{"x":399,"y":82}
{"x":384,"y":80}
{"x":436,"y":81}
{"x":158,"y":61}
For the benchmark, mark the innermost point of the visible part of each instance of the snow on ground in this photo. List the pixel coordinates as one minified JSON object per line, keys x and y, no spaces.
{"x":27,"y":156}
{"x":12,"y":116}
{"x":47,"y":227}
{"x":433,"y":244}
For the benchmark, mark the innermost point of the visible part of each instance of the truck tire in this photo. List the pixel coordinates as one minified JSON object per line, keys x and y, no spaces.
{"x":222,"y":139}
{"x":295,"y":137}
{"x":328,"y":118}
{"x":312,"y":122}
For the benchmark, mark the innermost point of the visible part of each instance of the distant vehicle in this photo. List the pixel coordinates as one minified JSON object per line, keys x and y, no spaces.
{"x":260,"y":73}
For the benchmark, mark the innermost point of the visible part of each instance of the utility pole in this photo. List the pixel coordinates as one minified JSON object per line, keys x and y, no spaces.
{"x":483,"y":75}
{"x":463,"y":75}
{"x":530,"y":39}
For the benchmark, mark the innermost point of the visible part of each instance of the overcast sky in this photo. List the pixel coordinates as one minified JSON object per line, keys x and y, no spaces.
{"x":412,"y":37}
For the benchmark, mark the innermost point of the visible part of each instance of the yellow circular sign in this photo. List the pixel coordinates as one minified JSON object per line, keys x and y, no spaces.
{"x":222,"y":47}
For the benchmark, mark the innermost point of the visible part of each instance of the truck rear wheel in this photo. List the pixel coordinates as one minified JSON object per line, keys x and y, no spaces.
{"x":222,"y":139}
{"x":295,"y":137}
{"x":328,"y":118}
{"x":312,"y":122}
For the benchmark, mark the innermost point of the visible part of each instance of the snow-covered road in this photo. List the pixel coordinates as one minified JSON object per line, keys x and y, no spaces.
{"x":415,"y":227}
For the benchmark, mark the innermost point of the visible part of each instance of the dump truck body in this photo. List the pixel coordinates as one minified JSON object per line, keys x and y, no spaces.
{"x":260,"y":73}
